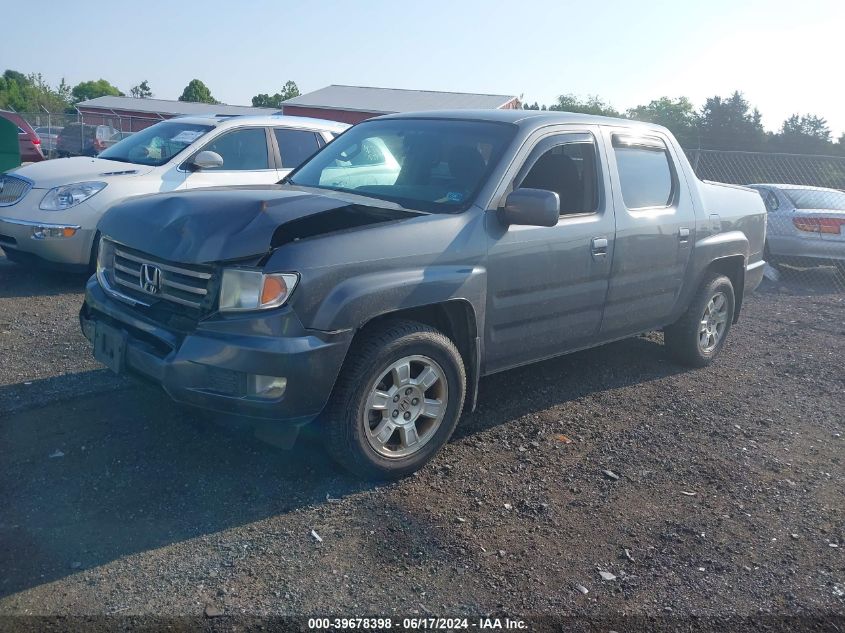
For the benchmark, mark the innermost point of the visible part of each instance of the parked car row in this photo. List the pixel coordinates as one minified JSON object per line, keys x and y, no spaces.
{"x":49,"y":211}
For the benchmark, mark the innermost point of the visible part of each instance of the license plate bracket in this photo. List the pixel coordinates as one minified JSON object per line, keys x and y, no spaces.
{"x":110,"y":347}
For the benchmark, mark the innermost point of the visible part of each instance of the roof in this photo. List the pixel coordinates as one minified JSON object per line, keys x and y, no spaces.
{"x":274,"y":119}
{"x":390,"y":100}
{"x":165,"y":106}
{"x":528,"y":118}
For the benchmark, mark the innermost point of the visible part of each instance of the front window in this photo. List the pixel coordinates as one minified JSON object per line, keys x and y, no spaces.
{"x":827,"y":199}
{"x":429,"y":164}
{"x":157,"y":144}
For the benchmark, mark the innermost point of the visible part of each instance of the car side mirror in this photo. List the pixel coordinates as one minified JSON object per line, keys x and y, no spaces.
{"x":531,"y":207}
{"x":206,"y":160}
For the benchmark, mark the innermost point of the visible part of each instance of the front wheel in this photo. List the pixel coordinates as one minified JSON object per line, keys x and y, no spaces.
{"x":396,"y":401}
{"x":698,"y":336}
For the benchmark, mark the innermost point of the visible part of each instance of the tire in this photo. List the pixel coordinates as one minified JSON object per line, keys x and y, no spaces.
{"x":95,"y":247}
{"x":691,"y":342}
{"x":350,"y":424}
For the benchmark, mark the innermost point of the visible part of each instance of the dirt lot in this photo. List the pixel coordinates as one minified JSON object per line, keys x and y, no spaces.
{"x":729,"y":499}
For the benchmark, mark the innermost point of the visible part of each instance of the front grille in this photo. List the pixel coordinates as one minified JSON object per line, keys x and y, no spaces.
{"x":149,"y":279}
{"x":12,"y":189}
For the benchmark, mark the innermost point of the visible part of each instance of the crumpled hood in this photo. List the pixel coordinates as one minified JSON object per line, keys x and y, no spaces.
{"x":65,"y":171}
{"x":226,"y":223}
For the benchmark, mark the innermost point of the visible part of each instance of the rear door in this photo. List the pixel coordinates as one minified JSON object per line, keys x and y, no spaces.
{"x":247,"y":160}
{"x":294,"y":147}
{"x":655,"y":230}
{"x":547,"y":285}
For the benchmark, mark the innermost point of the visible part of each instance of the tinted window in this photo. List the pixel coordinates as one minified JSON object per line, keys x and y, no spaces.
{"x":427,"y":164}
{"x":570,"y":171}
{"x":645,"y":175}
{"x":816,"y":199}
{"x":241,"y":150}
{"x":295,"y":146}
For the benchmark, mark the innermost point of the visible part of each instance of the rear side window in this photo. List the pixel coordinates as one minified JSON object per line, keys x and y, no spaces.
{"x":295,"y":146}
{"x":645,"y":172}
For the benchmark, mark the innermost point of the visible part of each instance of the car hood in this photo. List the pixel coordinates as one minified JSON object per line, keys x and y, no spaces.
{"x":65,"y":171}
{"x":230,"y":223}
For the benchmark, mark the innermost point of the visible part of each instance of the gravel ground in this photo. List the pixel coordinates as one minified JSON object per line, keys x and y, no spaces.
{"x":713,"y":493}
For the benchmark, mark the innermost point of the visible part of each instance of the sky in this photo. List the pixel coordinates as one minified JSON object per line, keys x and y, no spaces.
{"x":785,"y":56}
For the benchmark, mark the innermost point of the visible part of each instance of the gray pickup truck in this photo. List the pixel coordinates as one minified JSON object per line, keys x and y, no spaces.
{"x":372,"y":289}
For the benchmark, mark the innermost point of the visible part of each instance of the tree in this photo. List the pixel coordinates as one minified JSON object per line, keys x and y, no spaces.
{"x":141,"y":91}
{"x":93,"y":89}
{"x":197,"y":92}
{"x":678,"y":115}
{"x":289,"y":91}
{"x":591,"y":105}
{"x":731,"y":124}
{"x":30,"y":93}
{"x":803,"y":134}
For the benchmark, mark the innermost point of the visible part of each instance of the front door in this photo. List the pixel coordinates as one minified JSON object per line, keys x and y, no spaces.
{"x":547,"y":285}
{"x":246,"y":160}
{"x":655,"y":231}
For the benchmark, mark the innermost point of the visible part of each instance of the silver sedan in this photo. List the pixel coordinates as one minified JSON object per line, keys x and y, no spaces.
{"x":805,"y":225}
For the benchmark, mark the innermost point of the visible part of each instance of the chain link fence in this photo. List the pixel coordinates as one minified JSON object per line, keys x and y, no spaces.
{"x":80,"y":134}
{"x":805,"y":200}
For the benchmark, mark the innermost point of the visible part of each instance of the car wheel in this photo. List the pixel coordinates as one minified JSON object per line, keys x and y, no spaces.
{"x":95,"y":249}
{"x":698,"y":336}
{"x":396,"y":402}
{"x":770,"y":259}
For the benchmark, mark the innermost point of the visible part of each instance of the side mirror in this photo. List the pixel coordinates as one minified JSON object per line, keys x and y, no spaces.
{"x":531,"y":207}
{"x":206,"y":160}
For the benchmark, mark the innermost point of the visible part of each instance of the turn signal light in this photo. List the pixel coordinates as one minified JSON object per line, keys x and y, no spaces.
{"x":274,"y":289}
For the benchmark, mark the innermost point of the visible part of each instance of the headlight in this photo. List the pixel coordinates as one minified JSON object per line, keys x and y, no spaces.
{"x":105,"y":261}
{"x":253,"y":290}
{"x":67,"y":196}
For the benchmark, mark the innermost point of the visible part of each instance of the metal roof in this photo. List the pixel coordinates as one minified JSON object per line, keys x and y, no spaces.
{"x":391,"y":100}
{"x":165,"y":106}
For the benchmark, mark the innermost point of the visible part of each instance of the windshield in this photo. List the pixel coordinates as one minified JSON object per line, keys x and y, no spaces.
{"x":157,"y":144}
{"x":817,"y":199}
{"x":429,"y":164}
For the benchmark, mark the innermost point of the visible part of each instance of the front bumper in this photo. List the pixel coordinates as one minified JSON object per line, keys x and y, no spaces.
{"x":209,"y":366}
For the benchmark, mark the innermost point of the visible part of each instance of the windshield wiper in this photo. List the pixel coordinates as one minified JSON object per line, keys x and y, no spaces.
{"x":115,"y":159}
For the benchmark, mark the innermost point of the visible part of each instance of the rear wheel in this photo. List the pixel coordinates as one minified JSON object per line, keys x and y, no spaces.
{"x":396,"y":401}
{"x":698,"y":336}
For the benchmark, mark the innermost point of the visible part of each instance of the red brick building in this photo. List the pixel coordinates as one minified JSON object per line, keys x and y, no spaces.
{"x":352,"y":104}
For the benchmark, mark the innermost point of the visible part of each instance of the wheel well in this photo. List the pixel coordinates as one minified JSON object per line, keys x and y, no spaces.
{"x":732,"y":267}
{"x":456,"y":319}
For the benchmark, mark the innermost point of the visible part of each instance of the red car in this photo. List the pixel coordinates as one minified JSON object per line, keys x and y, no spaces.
{"x":30,"y":144}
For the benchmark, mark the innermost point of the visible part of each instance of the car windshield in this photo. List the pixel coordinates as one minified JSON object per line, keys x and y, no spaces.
{"x":156,"y":144}
{"x":817,"y":199}
{"x":434,"y":165}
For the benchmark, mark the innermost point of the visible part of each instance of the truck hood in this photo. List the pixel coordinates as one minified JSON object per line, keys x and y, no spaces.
{"x":230,"y":223}
{"x":64,"y":171}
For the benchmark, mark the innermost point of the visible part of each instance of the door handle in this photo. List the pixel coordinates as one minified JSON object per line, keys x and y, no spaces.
{"x":598,"y":246}
{"x":683,"y":235}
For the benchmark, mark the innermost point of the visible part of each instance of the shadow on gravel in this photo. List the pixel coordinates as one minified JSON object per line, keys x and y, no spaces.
{"x":91,"y":479}
{"x":805,"y":282}
{"x":37,"y":393}
{"x":26,"y":281}
{"x":538,"y":387}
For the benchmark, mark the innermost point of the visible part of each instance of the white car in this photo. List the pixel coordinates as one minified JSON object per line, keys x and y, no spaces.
{"x":49,"y":211}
